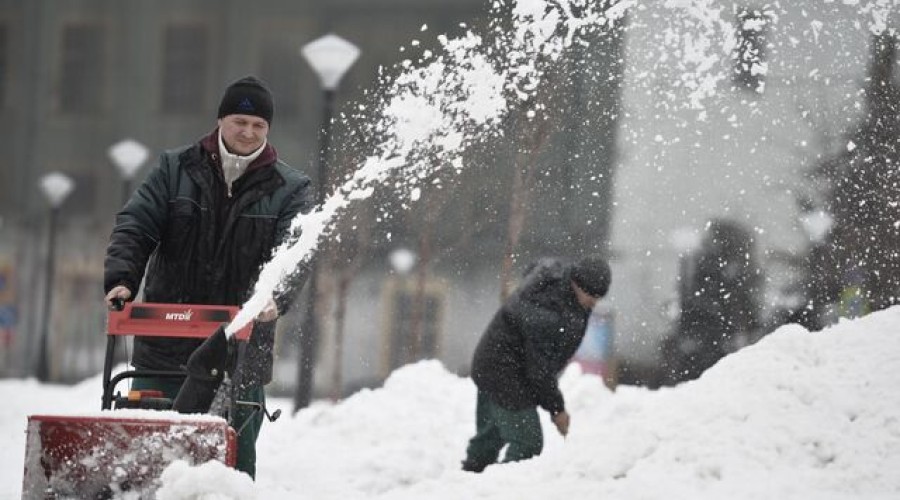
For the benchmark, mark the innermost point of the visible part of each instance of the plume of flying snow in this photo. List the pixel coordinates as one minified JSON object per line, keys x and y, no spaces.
{"x":431,"y":113}
{"x":429,"y":116}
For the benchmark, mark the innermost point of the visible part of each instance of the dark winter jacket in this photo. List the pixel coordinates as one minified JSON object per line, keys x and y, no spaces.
{"x":530,"y":340}
{"x":200,"y":246}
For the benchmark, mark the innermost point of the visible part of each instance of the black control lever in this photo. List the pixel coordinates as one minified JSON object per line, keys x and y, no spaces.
{"x":257,"y":407}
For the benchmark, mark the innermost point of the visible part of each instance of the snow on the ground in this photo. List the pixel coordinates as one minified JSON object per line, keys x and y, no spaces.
{"x":799,"y":415}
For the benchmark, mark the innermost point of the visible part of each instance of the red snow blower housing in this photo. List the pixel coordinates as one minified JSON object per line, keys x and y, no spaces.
{"x":111,"y":452}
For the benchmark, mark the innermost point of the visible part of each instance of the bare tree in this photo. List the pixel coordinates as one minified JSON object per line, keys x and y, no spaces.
{"x":534,"y":122}
{"x":346,"y":260}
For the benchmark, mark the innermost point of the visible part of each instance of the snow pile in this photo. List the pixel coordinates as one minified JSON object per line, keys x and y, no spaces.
{"x":210,"y":481}
{"x":798,"y":415}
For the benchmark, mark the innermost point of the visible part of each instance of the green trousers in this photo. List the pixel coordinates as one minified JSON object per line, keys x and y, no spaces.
{"x":497,"y":426}
{"x":248,"y":431}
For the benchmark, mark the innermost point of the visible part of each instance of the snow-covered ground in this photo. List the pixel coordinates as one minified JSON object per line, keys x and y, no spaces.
{"x":797,"y":416}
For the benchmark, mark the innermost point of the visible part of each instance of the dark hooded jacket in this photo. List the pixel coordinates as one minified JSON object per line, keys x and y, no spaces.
{"x":530,"y":340}
{"x":201,"y":246}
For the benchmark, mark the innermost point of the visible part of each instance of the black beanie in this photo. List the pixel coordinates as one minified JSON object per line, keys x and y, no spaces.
{"x":592,"y":274}
{"x":248,"y":96}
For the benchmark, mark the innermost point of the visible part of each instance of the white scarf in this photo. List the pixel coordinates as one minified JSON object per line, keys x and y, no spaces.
{"x":233,"y":166}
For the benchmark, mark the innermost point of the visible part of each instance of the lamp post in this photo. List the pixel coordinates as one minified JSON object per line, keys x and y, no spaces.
{"x":405,"y":341}
{"x":56,"y":187}
{"x":128,"y":155}
{"x":330,"y":57}
{"x":816,"y":223}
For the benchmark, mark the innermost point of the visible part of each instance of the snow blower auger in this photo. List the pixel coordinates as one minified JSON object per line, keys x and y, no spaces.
{"x":109,"y":453}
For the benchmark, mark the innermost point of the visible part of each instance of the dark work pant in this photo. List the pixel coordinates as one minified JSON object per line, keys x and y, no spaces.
{"x":246,"y":457}
{"x":497,"y":426}
{"x":246,"y":442}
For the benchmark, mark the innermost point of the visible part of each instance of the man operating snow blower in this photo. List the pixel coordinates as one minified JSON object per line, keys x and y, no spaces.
{"x":199,"y":229}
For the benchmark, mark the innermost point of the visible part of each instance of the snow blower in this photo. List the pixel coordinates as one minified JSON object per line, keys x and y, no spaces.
{"x":109,"y":453}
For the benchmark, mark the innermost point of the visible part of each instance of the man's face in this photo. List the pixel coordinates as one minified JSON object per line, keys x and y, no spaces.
{"x":586,"y":300}
{"x":243,"y":134}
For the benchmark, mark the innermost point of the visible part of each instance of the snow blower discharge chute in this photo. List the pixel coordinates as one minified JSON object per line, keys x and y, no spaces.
{"x":106,"y":453}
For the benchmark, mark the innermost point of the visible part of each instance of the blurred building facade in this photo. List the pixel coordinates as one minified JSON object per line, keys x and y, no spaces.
{"x":78,"y":76}
{"x":788,"y":93}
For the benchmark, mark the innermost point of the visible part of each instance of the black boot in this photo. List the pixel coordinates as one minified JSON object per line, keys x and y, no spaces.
{"x":472,"y":466}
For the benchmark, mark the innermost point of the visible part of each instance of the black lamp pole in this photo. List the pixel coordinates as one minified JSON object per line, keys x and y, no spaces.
{"x":309,"y":331}
{"x":126,"y":190}
{"x":330,"y":56}
{"x":43,"y":364}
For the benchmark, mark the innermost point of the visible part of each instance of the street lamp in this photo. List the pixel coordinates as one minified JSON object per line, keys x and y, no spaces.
{"x":330,"y":57}
{"x":406,"y":310}
{"x":402,"y":260}
{"x":56,"y":187}
{"x":128,"y":155}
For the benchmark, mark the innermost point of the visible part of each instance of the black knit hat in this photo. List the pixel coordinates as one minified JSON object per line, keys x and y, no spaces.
{"x":592,"y":274}
{"x":248,"y":96}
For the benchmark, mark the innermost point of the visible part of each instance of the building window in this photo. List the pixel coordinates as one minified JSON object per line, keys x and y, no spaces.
{"x":750,"y":54}
{"x":185,"y":68}
{"x":81,"y":76}
{"x":413,"y":326}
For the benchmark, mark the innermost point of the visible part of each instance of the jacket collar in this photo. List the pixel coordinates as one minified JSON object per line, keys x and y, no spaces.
{"x":210,"y":144}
